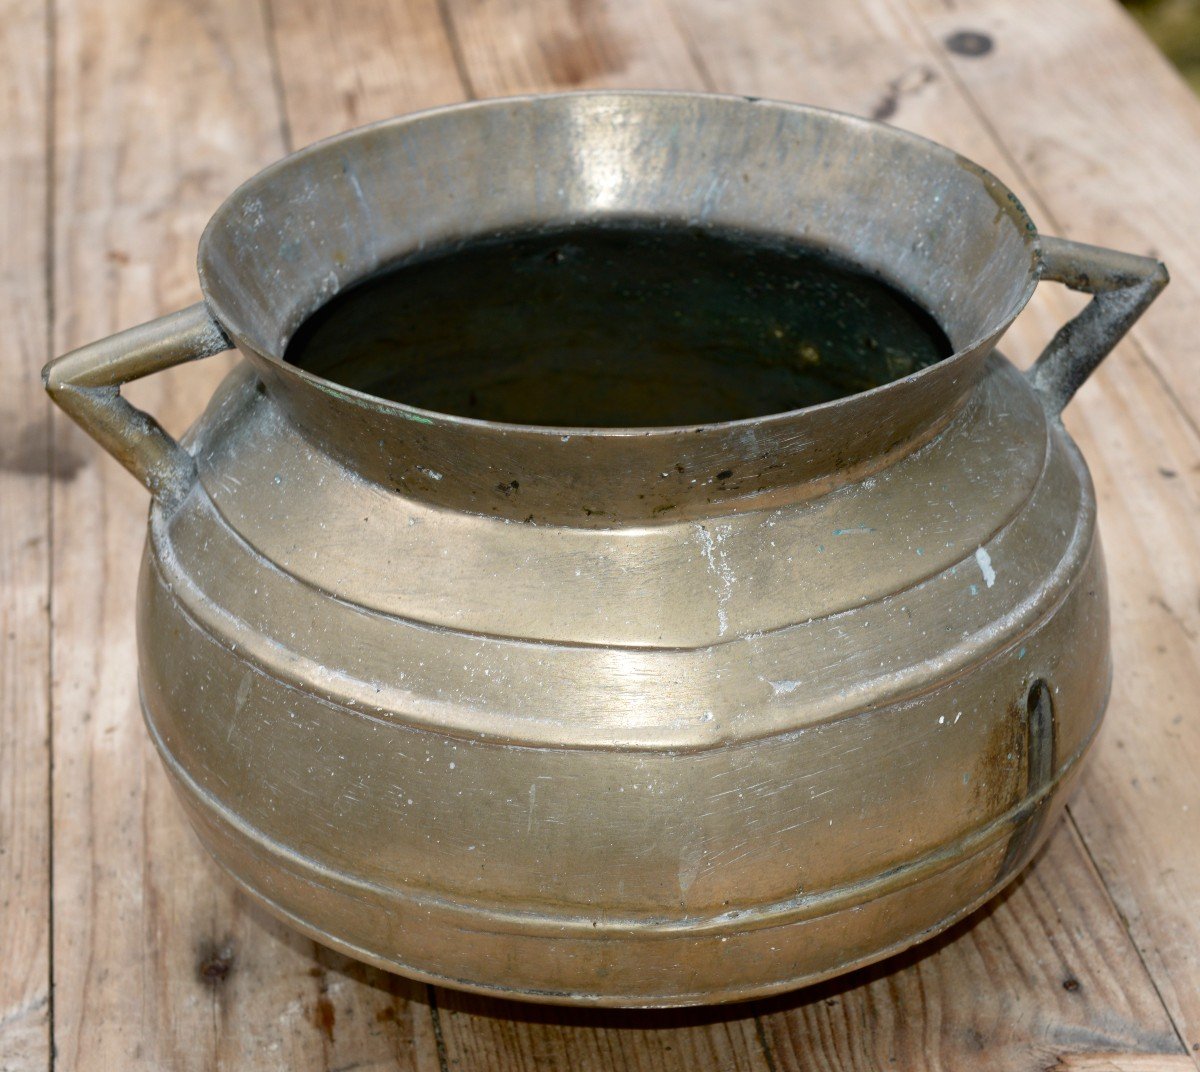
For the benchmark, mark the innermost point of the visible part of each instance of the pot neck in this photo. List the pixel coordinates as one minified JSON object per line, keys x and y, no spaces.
{"x":597,"y":479}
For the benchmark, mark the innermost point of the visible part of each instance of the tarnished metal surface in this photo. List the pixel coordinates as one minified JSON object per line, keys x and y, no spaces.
{"x":1123,"y":285}
{"x":465,"y":700}
{"x":86,"y":383}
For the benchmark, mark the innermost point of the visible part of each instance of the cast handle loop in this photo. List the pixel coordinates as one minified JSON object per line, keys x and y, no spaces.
{"x":1124,"y":285}
{"x":86,"y":383}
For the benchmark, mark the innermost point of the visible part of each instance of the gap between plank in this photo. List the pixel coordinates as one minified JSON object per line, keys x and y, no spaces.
{"x":456,"y":50}
{"x":435,"y":1017}
{"x":764,"y":1043}
{"x":49,"y":236}
{"x":693,"y":52}
{"x":285,"y":125}
{"x":1091,"y":859}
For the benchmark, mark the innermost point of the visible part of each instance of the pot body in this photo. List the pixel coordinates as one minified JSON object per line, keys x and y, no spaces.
{"x":644,"y":765}
{"x":621,"y":716}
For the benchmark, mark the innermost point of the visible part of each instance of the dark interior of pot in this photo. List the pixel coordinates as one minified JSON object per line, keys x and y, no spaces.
{"x":619,"y":324}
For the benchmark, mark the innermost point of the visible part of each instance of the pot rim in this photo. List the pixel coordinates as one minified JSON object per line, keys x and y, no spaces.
{"x":1006,"y":202}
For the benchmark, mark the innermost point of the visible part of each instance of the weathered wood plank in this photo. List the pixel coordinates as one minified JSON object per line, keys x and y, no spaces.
{"x":1094,"y":117}
{"x":1123,"y":1062}
{"x":1137,"y":808}
{"x":481,"y":1034}
{"x":1038,"y":976}
{"x":374,"y":61}
{"x":24,"y":546}
{"x":510,"y":46}
{"x":160,"y":111}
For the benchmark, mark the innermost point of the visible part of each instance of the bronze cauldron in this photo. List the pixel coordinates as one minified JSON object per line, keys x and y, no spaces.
{"x":651,"y":716}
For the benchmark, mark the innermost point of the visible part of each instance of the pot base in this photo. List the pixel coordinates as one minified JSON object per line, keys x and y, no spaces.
{"x":807,"y":942}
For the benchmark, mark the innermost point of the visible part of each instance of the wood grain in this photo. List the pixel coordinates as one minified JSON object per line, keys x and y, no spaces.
{"x":1122,"y":1062}
{"x":24,"y":546}
{"x":160,"y":962}
{"x":387,"y":59}
{"x":1038,"y":976}
{"x":480,"y":1033}
{"x":1120,"y":112}
{"x":511,"y":46}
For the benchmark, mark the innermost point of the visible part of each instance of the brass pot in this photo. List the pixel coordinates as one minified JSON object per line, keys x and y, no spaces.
{"x":621,"y":716}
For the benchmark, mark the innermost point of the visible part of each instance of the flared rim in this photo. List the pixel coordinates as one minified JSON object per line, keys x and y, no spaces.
{"x":1006,"y":202}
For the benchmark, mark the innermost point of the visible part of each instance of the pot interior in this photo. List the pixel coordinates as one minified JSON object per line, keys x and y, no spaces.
{"x":619,"y":324}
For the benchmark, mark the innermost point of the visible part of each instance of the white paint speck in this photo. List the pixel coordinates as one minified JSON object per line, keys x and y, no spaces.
{"x":985,"y":567}
{"x":782,"y":688}
{"x":717,"y":565}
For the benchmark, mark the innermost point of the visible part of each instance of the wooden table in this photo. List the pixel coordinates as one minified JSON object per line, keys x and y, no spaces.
{"x":124,"y":124}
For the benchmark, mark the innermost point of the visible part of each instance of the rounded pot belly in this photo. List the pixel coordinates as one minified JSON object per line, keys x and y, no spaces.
{"x":764,"y":799}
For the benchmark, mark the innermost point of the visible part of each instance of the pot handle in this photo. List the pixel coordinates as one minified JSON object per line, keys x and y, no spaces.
{"x":1124,"y":285}
{"x":86,"y":383}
